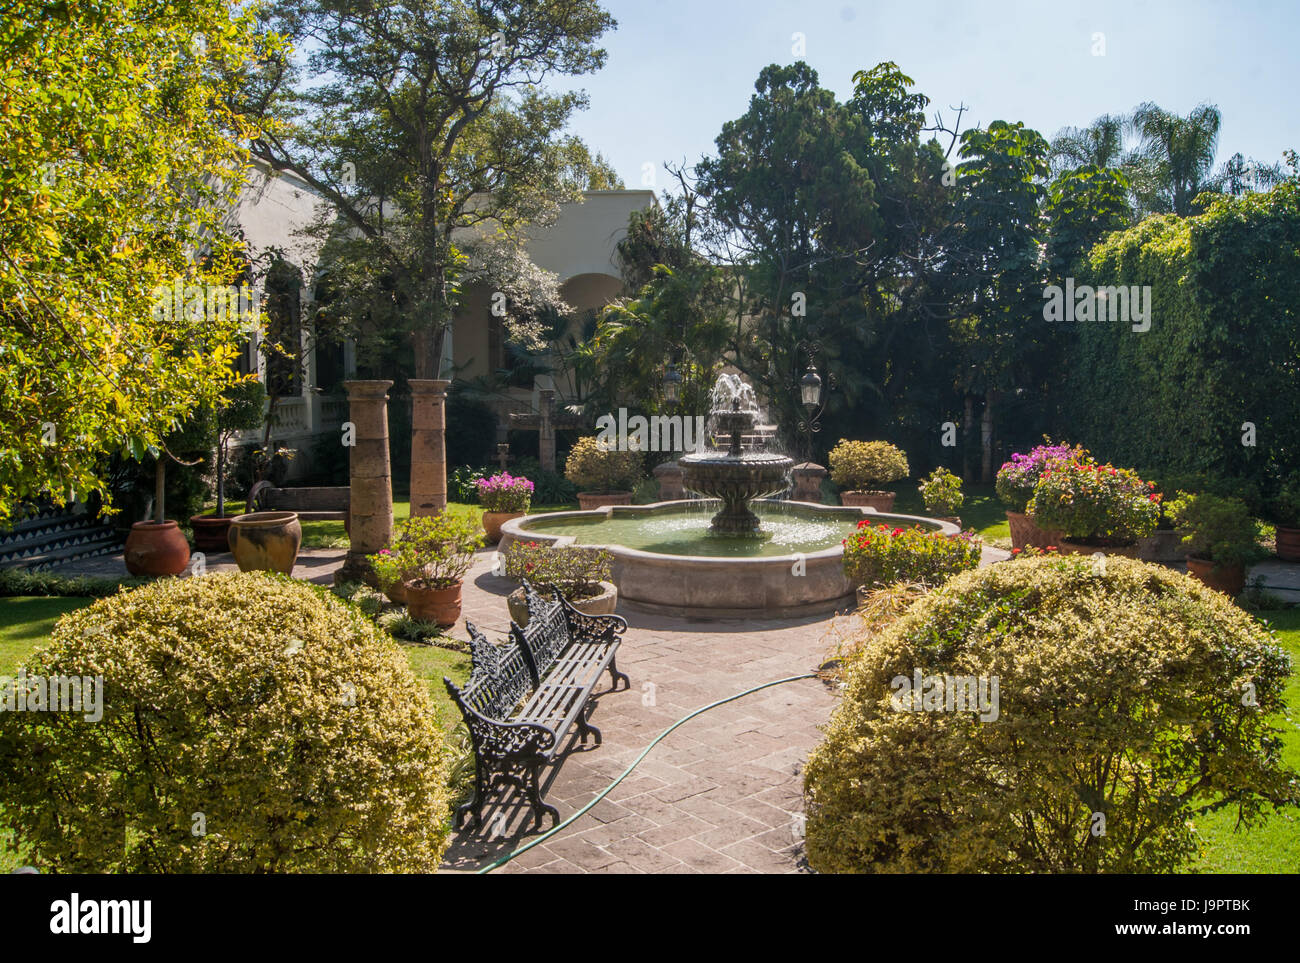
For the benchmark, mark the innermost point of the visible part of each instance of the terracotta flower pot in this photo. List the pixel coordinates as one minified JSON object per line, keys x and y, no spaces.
{"x":211,"y":532}
{"x":1229,"y":579}
{"x":1288,"y":543}
{"x":492,"y":522}
{"x":266,"y":541}
{"x":1025,"y":533}
{"x":156,"y":548}
{"x":396,"y":593}
{"x":602,"y":603}
{"x":880,"y":501}
{"x":589,"y":500}
{"x":440,"y":605}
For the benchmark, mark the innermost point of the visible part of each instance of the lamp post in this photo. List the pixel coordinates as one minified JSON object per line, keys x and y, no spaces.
{"x":672,"y":384}
{"x":808,"y":475}
{"x":668,"y":473}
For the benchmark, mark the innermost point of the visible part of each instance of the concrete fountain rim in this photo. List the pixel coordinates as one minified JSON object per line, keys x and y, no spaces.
{"x":514,"y":530}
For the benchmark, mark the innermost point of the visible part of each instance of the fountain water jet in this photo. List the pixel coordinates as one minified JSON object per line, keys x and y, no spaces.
{"x":735,"y":476}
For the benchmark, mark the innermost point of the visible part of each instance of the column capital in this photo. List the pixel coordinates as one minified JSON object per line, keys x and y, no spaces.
{"x":436,"y":387}
{"x":367,"y":389}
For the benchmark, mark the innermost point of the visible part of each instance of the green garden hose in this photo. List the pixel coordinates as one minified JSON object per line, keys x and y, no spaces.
{"x":635,"y":762}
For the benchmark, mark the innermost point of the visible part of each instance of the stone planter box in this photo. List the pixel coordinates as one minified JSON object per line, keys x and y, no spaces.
{"x":880,"y":501}
{"x":603,"y":603}
{"x":669,"y":476}
{"x":589,"y":500}
{"x":1067,"y":546}
{"x":1165,"y":547}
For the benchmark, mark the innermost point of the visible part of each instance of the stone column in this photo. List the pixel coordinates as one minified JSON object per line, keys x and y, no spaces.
{"x":371,"y":499}
{"x":669,"y":476}
{"x":546,"y":429}
{"x":428,"y":446}
{"x":503,"y":455}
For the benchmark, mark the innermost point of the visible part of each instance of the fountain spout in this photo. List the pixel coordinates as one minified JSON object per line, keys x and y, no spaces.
{"x":735,"y":476}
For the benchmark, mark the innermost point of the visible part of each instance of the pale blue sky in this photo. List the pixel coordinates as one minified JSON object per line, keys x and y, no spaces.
{"x":678,"y":69}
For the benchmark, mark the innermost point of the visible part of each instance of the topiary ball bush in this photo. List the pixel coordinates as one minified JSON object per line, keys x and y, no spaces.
{"x":1129,"y":697}
{"x":251,"y":723}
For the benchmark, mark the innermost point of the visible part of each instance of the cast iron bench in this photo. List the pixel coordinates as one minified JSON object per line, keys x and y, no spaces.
{"x":551,"y":667}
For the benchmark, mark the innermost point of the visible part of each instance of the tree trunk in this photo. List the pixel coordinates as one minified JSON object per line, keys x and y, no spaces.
{"x":967,"y":430}
{"x":986,"y":439}
{"x":221,"y":476}
{"x":160,"y":489}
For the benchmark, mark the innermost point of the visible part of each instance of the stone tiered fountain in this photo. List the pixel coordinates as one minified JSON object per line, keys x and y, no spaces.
{"x":756,"y":558}
{"x":735,"y":476}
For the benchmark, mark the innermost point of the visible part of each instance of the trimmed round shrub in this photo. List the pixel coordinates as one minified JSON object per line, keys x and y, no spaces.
{"x":857,"y":464}
{"x":250,"y":723}
{"x":596,"y":469}
{"x":1128,"y":698}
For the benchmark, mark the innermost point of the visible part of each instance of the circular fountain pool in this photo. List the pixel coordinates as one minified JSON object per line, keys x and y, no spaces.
{"x":669,"y":559}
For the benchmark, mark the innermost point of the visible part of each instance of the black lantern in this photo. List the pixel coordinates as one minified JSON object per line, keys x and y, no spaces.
{"x":672,"y":384}
{"x":810,"y":387}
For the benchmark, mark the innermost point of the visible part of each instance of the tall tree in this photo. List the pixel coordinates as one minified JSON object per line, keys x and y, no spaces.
{"x":118,"y":160}
{"x":425,"y":124}
{"x":996,"y":270}
{"x":1175,"y":159}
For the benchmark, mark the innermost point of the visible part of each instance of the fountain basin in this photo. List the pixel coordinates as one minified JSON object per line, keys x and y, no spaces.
{"x":682,"y":570}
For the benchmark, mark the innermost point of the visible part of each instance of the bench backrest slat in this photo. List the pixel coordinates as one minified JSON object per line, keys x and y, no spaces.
{"x":547,"y":634}
{"x":500,"y":676}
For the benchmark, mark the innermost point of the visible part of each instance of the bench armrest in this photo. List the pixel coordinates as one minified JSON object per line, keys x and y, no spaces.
{"x":592,"y":628}
{"x":502,"y":739}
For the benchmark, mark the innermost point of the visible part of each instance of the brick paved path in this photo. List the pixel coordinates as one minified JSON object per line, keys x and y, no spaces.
{"x":720,"y":794}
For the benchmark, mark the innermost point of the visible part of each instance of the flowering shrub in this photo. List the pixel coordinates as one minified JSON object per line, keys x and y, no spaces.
{"x":577,"y":572}
{"x":857,"y":464}
{"x":593,"y":469}
{"x":430,"y":551}
{"x":1102,"y":503}
{"x":1017,"y":477}
{"x":881,"y":555}
{"x":505,"y":492}
{"x":942,"y":492}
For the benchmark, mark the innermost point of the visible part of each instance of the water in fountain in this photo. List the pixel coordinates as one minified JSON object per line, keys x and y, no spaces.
{"x":734,"y":476}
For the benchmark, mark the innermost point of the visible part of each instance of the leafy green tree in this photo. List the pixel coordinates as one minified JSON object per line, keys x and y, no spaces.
{"x":425,"y":124}
{"x":996,"y":271}
{"x":1083,"y":206}
{"x":1100,"y":144}
{"x":1175,"y":160}
{"x":118,"y":160}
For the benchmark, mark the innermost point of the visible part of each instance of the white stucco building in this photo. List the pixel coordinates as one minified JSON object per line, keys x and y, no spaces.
{"x":273,"y":213}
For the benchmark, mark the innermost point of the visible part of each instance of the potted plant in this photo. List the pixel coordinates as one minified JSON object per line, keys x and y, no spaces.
{"x":503,"y":497}
{"x":856,"y":465}
{"x":876,"y":555}
{"x":430,"y":557}
{"x":1096,"y":507}
{"x":157,"y":546}
{"x":581,"y":575}
{"x":1015,"y":486}
{"x":604,"y":476}
{"x":1220,"y":537}
{"x":942,"y":494}
{"x":239,"y":409}
{"x":1286,"y":514}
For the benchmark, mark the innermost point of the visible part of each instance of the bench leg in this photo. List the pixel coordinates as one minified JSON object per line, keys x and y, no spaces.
{"x":535,"y":797}
{"x":475,"y":805}
{"x":616,"y":675}
{"x":585,"y":728}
